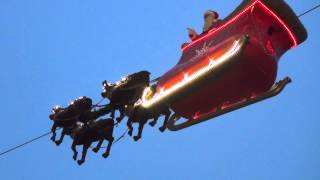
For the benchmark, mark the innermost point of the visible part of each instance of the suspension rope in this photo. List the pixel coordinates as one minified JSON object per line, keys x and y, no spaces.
{"x":122,"y":136}
{"x":48,"y":133}
{"x":310,"y":10}
{"x":98,"y":104}
{"x":25,"y":143}
{"x":154,"y":80}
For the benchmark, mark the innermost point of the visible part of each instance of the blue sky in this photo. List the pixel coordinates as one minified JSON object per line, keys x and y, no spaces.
{"x":54,"y":51}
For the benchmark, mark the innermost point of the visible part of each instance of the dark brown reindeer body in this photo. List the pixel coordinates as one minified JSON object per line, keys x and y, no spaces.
{"x":93,"y":131}
{"x":67,"y":118}
{"x":126,"y":92}
{"x":75,"y":108}
{"x":138,"y":114}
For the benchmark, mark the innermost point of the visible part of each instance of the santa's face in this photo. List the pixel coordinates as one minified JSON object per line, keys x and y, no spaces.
{"x":209,"y":20}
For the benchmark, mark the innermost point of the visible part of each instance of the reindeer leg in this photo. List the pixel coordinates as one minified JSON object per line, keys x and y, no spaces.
{"x":85,"y":148}
{"x":164,"y":126}
{"x":113,"y":111}
{"x":53,"y":130}
{"x":141,"y":125}
{"x":74,"y":149}
{"x":129,"y":124}
{"x":97,"y":148}
{"x":63,"y":133}
{"x":122,"y":114}
{"x":106,"y":154}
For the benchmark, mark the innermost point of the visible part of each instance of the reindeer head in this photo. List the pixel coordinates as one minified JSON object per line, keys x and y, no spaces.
{"x":55,"y":110}
{"x":83,"y":103}
{"x":106,"y":89}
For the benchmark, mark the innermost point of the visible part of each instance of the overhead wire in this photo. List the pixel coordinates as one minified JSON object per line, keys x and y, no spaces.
{"x":308,"y":11}
{"x":25,"y":143}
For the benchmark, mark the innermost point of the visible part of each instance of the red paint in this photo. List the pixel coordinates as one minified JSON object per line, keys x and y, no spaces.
{"x":195,"y":64}
{"x":258,"y":2}
{"x":254,"y":73}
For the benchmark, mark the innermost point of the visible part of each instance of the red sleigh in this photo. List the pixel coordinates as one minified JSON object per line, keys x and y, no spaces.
{"x":231,"y":66}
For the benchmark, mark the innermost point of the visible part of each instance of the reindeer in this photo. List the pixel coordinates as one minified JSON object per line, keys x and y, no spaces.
{"x":126,"y":92}
{"x":141,"y":115}
{"x":91,"y":132}
{"x":78,"y":111}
